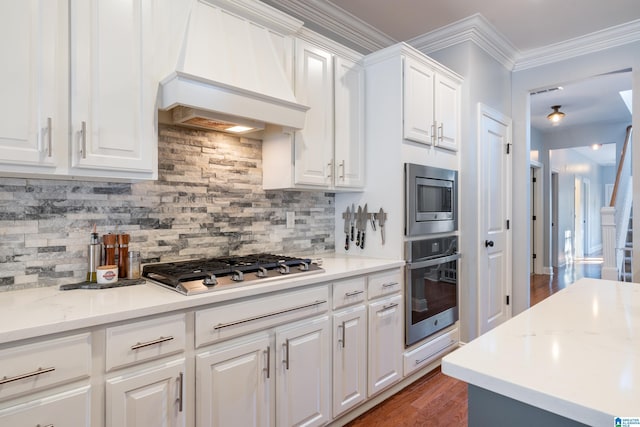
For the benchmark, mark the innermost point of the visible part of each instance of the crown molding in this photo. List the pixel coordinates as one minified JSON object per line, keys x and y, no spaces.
{"x":594,"y":42}
{"x":474,"y":28}
{"x":334,"y":22}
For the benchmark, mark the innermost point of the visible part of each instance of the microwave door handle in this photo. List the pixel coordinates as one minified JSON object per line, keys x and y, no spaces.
{"x":432,"y":262}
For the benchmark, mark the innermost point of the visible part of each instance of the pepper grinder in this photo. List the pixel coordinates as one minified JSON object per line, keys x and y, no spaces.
{"x":123,"y":254}
{"x":109,"y":242}
{"x":93,"y":256}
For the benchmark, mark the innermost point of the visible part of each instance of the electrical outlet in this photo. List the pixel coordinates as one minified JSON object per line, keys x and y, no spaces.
{"x":291,"y":219}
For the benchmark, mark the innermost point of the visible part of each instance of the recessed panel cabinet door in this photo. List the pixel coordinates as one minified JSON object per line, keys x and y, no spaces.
{"x":31,"y":81}
{"x":234,"y":385}
{"x":303,"y":374}
{"x":112,"y":101}
{"x":447,"y":112}
{"x":385,"y":343}
{"x":418,"y":102}
{"x":314,"y":88}
{"x":349,"y":124}
{"x":148,"y":398}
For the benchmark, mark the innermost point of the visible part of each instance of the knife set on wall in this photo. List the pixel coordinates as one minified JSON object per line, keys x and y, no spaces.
{"x":355,"y":224}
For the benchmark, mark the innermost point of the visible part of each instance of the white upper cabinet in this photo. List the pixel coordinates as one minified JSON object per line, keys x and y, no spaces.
{"x":32,"y":81}
{"x":314,"y":88}
{"x":418,"y":101}
{"x":328,"y":152}
{"x":91,"y":59}
{"x":112,"y":98}
{"x":431,"y":107}
{"x":349,"y":124}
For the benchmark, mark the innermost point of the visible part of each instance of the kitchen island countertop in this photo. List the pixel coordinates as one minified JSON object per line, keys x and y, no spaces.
{"x":576,"y":354}
{"x":35,"y":312}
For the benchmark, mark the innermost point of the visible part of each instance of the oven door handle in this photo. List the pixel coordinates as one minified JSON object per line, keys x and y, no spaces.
{"x":432,"y":262}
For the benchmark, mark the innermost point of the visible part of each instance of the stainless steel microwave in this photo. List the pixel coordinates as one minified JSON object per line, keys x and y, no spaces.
{"x":431,"y":200}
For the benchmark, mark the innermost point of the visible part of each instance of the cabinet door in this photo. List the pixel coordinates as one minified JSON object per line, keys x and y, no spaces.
{"x":148,"y":397}
{"x":32,"y":77}
{"x":302,"y":387}
{"x":349,"y":124}
{"x":314,"y":88}
{"x":418,"y":102}
{"x":349,"y":358}
{"x":385,"y":343}
{"x":447,"y":112}
{"x":70,"y":408}
{"x":234,"y":385}
{"x":112,"y":95}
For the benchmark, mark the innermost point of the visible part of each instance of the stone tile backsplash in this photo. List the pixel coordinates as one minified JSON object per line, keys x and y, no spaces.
{"x":208,"y":201}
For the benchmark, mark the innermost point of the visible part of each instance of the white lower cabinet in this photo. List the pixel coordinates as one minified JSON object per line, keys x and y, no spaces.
{"x":303,"y":372}
{"x":349,"y":358}
{"x":234,"y":384}
{"x":147,"y":397}
{"x":70,"y":408}
{"x":385,"y":343}
{"x":277,"y":377}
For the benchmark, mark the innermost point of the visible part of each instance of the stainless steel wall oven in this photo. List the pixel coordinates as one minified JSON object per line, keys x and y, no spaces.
{"x":431,"y":200}
{"x":431,"y":286}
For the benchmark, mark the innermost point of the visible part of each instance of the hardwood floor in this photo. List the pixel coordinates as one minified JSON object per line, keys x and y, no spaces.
{"x":438,"y":400}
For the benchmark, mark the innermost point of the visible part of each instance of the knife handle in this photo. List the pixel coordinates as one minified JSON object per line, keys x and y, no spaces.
{"x":346,"y":243}
{"x":362,"y":241}
{"x":352,"y":233}
{"x":358,"y":239}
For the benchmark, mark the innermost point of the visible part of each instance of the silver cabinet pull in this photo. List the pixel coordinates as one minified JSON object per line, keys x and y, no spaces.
{"x":286,"y":354}
{"x":83,"y":134}
{"x":48,"y":425}
{"x":344,"y":334}
{"x":388,"y":307}
{"x":341,"y":166}
{"x":441,"y":132}
{"x":49,"y":137}
{"x":389,"y":284}
{"x":180,"y":392}
{"x":419,"y":361}
{"x":152,"y":342}
{"x":268,"y":368}
{"x":433,"y":133}
{"x":330,"y":169}
{"x":264,"y":316}
{"x":353,"y":293}
{"x":37,"y":372}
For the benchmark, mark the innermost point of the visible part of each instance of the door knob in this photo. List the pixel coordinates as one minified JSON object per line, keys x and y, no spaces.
{"x":488,"y":243}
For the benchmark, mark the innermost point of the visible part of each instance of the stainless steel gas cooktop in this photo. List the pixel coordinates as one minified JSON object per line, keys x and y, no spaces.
{"x":212,"y":274}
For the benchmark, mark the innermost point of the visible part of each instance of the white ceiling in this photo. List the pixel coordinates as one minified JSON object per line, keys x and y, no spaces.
{"x":528,"y":24}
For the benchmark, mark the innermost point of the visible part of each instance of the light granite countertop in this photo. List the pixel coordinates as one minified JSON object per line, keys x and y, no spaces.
{"x":41,"y":311}
{"x":575,"y":354}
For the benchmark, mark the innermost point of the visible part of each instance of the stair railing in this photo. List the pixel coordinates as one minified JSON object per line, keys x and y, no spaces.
{"x":615,"y":216}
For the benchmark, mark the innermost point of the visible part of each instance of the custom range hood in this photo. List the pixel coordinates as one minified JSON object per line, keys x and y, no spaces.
{"x":232,"y":70}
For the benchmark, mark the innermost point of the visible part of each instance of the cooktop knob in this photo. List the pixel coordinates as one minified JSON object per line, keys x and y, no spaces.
{"x":303,"y":266}
{"x":237,"y":276}
{"x":262,"y":272}
{"x":210,"y":280}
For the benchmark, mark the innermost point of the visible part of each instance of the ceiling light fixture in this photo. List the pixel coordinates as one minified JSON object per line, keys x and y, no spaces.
{"x":556,"y":115}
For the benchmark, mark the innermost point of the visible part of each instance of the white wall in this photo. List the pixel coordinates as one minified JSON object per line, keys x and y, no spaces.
{"x":558,"y":73}
{"x":485,"y":81}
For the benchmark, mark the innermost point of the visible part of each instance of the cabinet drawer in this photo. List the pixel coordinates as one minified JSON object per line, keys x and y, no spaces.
{"x":70,"y":408}
{"x":348,"y":292}
{"x":140,"y":341}
{"x":384,"y":283}
{"x":31,"y":367}
{"x":429,"y":351}
{"x":239,"y":318}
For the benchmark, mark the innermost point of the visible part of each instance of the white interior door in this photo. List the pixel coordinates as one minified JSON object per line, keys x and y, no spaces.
{"x":494,"y":182}
{"x":578,"y":228}
{"x":554,"y":219}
